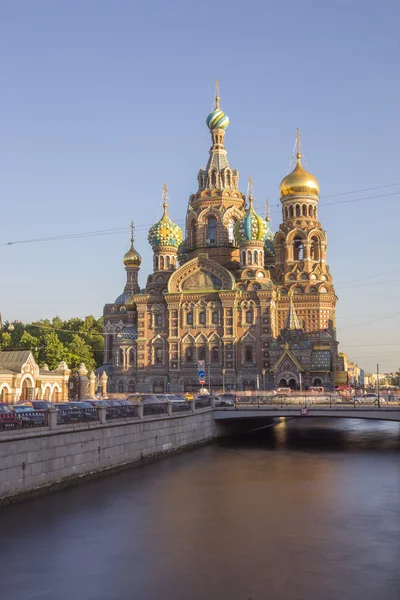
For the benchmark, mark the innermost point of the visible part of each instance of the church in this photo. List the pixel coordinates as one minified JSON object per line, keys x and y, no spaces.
{"x":252,"y":309}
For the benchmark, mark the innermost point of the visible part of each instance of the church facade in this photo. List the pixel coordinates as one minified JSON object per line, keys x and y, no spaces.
{"x":252,"y":309}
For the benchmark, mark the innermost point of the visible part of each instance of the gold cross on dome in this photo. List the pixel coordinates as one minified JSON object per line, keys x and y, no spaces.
{"x":165,"y":192}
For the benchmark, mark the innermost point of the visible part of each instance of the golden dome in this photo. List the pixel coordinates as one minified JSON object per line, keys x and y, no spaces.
{"x":132,"y":258}
{"x":299,"y":181}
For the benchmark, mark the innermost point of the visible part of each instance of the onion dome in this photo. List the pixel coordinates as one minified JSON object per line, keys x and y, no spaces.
{"x":132,"y":258}
{"x":251,"y":226}
{"x":165,"y":232}
{"x":299,"y":181}
{"x":217,"y":119}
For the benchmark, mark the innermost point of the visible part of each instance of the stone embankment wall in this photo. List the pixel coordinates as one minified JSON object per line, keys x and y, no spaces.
{"x":35,"y":461}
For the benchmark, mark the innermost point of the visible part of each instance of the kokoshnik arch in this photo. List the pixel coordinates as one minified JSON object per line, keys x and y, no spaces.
{"x":258,"y":308}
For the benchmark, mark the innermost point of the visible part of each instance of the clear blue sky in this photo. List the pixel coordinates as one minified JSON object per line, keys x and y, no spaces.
{"x":102,"y":102}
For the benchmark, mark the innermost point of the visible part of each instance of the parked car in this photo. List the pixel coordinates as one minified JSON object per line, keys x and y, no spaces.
{"x":36,"y":404}
{"x":94,"y":403}
{"x":226,"y":400}
{"x":8,"y":418}
{"x":283,"y":391}
{"x":369,"y":399}
{"x":177,"y":400}
{"x":28,"y":417}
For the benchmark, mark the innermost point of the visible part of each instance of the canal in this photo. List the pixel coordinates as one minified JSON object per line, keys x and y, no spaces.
{"x":307,"y":509}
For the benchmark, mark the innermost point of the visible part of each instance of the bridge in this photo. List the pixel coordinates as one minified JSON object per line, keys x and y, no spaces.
{"x":257,"y":411}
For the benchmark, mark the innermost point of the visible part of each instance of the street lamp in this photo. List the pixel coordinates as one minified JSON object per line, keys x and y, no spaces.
{"x":223,"y":380}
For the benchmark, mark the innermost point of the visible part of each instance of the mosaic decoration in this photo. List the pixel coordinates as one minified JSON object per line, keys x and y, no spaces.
{"x":165,"y":233}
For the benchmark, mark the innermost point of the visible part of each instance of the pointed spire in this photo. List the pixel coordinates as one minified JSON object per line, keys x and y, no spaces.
{"x":292,"y":321}
{"x":250,"y":192}
{"x":266,"y":209}
{"x":165,"y":197}
{"x":216,"y":94}
{"x":298,"y":143}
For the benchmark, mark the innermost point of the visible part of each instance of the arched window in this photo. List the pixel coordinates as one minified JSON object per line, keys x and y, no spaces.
{"x":310,"y":211}
{"x":158,"y":355}
{"x":255,"y":257}
{"x":131,"y":386}
{"x":285,"y":213}
{"x":159,"y":320}
{"x":249,"y":261}
{"x":202,"y":317}
{"x":161,"y":262}
{"x":248,"y":354}
{"x":231,"y":227}
{"x":189,"y":318}
{"x":304,"y":210}
{"x":298,"y":248}
{"x":243,"y":257}
{"x":131,"y":356}
{"x":291,"y":210}
{"x":189,"y":354}
{"x":315,"y":212}
{"x":120,"y":386}
{"x":249,"y":316}
{"x":214,"y":354}
{"x":315,"y":255}
{"x":297,"y":210}
{"x":167,"y":262}
{"x":215,"y":317}
{"x":202,"y":353}
{"x":121,"y":357}
{"x":156,"y":262}
{"x":212,"y":230}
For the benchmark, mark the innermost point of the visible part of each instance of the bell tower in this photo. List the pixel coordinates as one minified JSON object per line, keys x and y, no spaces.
{"x":300,"y":246}
{"x":218,"y":204}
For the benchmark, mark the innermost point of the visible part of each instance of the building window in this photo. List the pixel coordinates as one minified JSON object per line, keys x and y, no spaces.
{"x":131,"y":356}
{"x":298,"y":249}
{"x":202,"y":354}
{"x":189,"y":318}
{"x":212,"y":230}
{"x":215,"y":317}
{"x":121,"y":357}
{"x":167,"y":262}
{"x":161,"y":262}
{"x":215,"y":354}
{"x":248,"y":354}
{"x":249,"y":316}
{"x":158,"y":356}
{"x":202,"y":318}
{"x":231,"y":234}
{"x":189,"y":354}
{"x":131,"y":386}
{"x":315,"y":255}
{"x":120,"y":386}
{"x":159,"y":320}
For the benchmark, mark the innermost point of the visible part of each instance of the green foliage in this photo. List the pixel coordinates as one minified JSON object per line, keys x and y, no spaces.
{"x":51,"y":341}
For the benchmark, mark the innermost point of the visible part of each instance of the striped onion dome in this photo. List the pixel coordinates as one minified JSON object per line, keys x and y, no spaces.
{"x":251,"y":226}
{"x":217,"y":119}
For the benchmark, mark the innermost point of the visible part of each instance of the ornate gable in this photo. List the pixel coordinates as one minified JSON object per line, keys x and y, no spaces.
{"x":201,"y":274}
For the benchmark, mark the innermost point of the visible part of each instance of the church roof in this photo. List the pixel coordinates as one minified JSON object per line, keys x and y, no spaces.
{"x":128,"y":333}
{"x":13,"y":361}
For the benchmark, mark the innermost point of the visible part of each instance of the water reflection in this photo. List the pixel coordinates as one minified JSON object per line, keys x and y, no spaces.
{"x":305,"y":509}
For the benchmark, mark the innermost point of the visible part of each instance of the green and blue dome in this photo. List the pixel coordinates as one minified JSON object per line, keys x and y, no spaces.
{"x":269,"y":247}
{"x":251,"y":227}
{"x":165,"y":232}
{"x":217,"y":119}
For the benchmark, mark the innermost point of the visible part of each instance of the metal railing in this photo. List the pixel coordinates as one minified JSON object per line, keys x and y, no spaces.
{"x":160,"y":408}
{"x":32,"y":418}
{"x":200,"y":403}
{"x":121,"y":412}
{"x":180,"y":407}
{"x":331,"y":400}
{"x":71,"y":416}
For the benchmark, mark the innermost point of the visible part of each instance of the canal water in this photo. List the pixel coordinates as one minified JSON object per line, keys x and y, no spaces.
{"x":305,"y":510}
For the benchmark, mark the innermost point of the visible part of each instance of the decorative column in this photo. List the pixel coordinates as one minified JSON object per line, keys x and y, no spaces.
{"x":83,"y":381}
{"x":104,"y":379}
{"x":92,"y":385}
